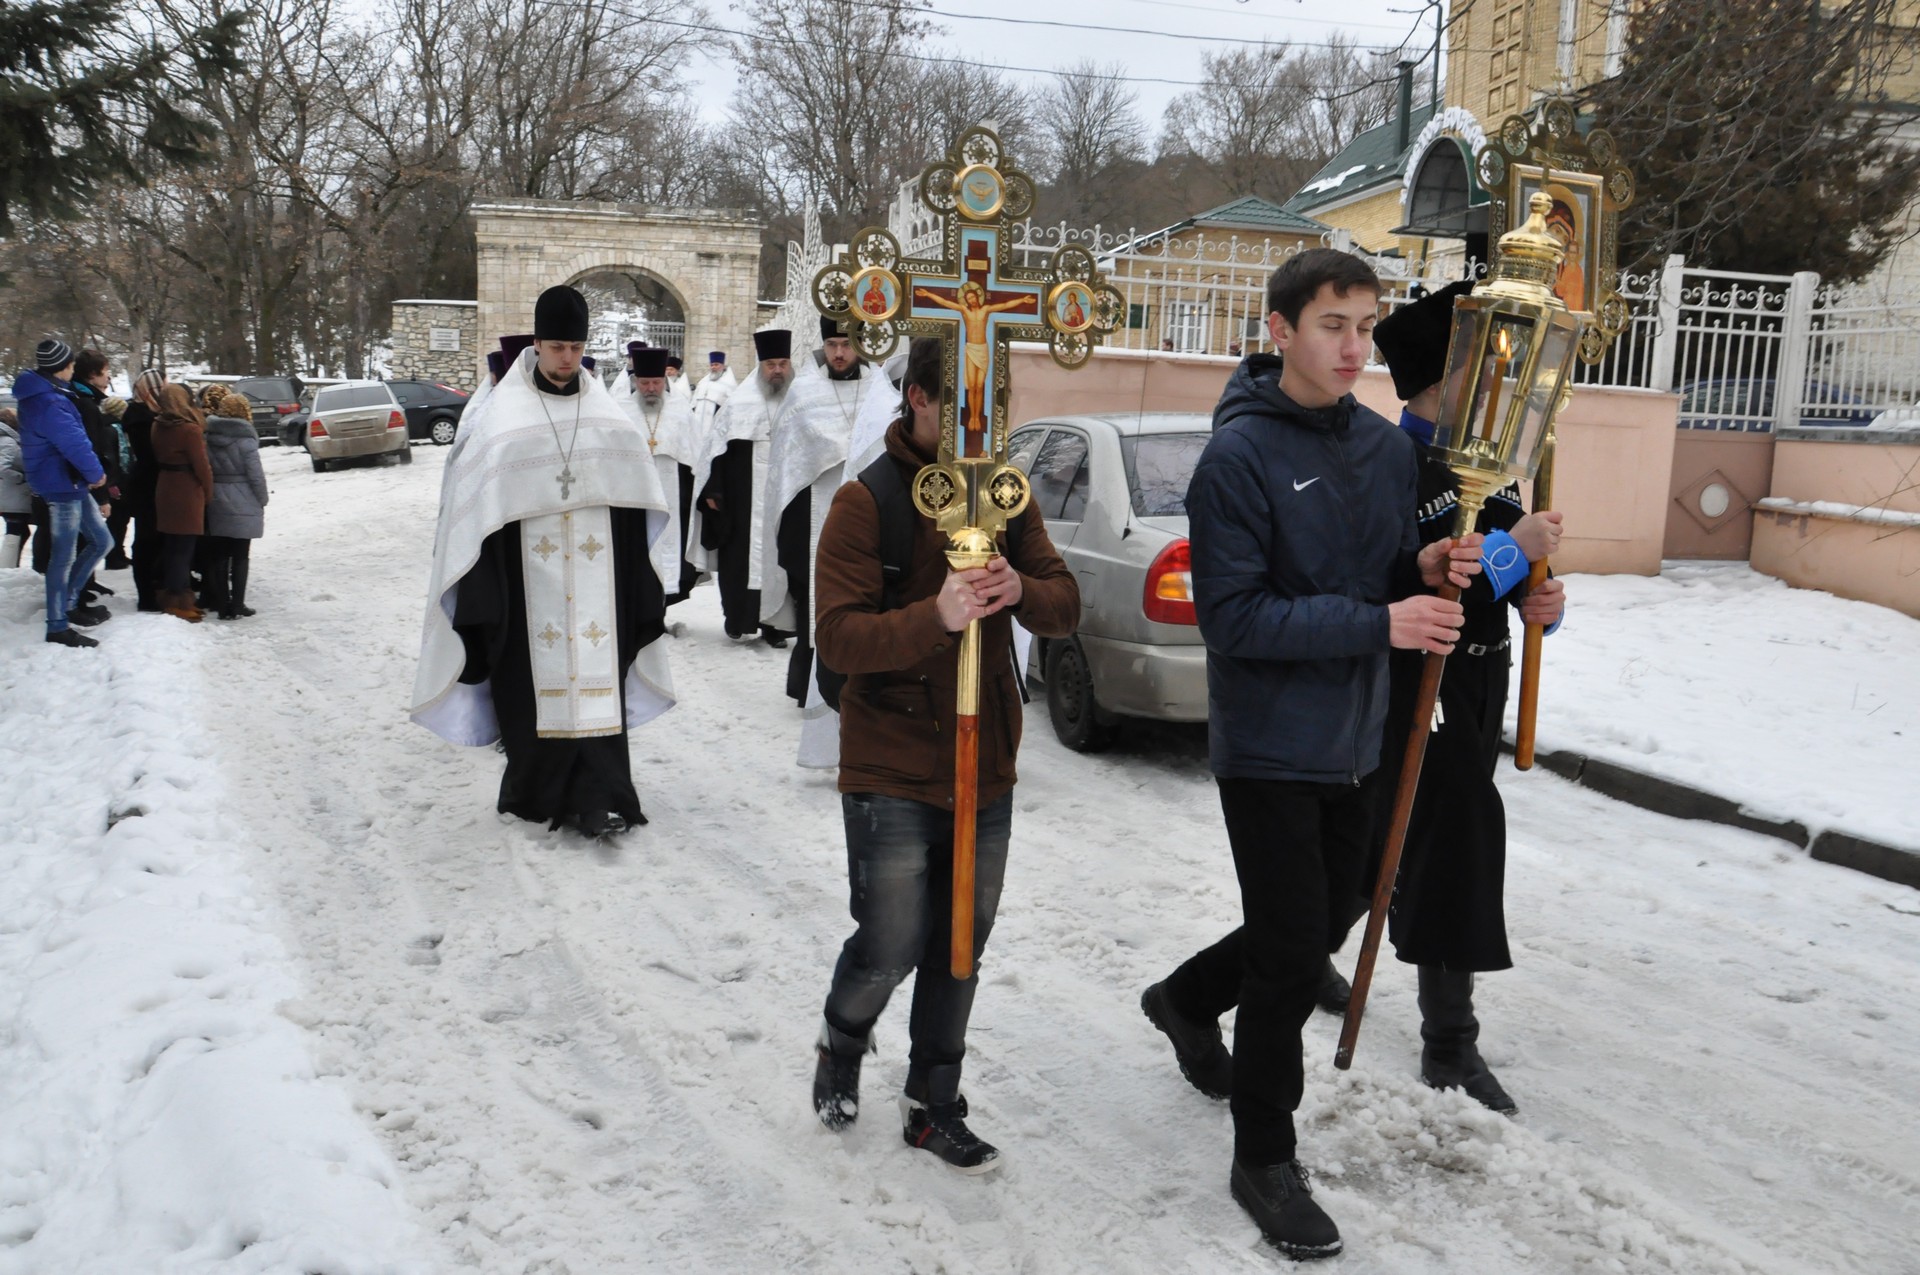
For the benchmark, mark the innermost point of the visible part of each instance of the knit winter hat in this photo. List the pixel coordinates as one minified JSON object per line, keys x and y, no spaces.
{"x":114,"y":408}
{"x":51,"y":355}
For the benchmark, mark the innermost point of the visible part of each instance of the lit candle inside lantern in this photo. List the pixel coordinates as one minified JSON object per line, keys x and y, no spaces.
{"x":1502,"y":356}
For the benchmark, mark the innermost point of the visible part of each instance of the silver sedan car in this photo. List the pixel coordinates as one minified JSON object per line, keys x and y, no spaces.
{"x":1113,"y":492}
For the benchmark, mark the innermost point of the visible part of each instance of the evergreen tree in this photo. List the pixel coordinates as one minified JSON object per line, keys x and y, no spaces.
{"x":83,"y":104}
{"x":1760,"y":135}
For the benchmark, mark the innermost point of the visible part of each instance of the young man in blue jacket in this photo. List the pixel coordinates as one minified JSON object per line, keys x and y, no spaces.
{"x":62,"y":469}
{"x":1307,"y":570}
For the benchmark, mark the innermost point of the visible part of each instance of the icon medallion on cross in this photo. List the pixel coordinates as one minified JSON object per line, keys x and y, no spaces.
{"x":981,"y":301}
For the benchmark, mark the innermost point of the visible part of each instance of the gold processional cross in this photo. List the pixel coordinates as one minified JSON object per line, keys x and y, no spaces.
{"x":975,"y":297}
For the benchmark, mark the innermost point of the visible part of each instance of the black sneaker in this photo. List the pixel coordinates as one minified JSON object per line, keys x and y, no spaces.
{"x":1280,"y":1202}
{"x":836,"y":1082}
{"x":88,"y":616}
{"x":244,"y":611}
{"x":1335,"y":992}
{"x":1203,"y":1057}
{"x":67,"y":637}
{"x":942,"y":1129}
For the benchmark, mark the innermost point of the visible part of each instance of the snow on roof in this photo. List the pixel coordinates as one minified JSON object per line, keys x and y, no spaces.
{"x":1333,"y":182}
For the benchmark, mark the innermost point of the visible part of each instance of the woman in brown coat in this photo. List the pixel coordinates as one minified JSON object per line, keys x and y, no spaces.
{"x":184,"y":486}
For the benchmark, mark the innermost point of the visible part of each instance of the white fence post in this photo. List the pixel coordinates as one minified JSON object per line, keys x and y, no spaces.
{"x":1666,"y":341}
{"x":1790,"y":385}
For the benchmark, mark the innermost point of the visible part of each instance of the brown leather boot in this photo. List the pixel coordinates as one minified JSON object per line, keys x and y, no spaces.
{"x":180,"y":603}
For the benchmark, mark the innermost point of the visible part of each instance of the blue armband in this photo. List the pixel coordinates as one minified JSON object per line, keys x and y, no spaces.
{"x":1506,"y":567}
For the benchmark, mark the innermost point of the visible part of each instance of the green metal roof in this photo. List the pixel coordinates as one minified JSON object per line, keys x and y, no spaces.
{"x":1251,"y":212}
{"x":1369,"y":161}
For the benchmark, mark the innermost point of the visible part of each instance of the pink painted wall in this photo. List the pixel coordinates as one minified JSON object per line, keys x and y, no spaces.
{"x":1612,"y":478}
{"x":1871,"y":561}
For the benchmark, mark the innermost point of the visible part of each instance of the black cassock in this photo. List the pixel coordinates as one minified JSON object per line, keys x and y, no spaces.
{"x":792,"y":544}
{"x":552,"y":779}
{"x":1448,"y":908}
{"x":729,"y":532}
{"x":688,"y":576}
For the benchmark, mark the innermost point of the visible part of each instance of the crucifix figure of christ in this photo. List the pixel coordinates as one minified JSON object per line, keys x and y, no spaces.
{"x":977,"y":296}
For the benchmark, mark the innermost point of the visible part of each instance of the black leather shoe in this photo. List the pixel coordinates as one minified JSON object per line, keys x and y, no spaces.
{"x":88,"y":616}
{"x":1203,"y":1057}
{"x":1280,"y":1201}
{"x":1335,"y":992}
{"x":598,"y":825}
{"x":67,"y":637}
{"x":1449,"y":1057}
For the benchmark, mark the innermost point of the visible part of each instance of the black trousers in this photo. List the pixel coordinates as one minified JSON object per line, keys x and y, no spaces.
{"x":176,"y":563}
{"x":1300,"y":850}
{"x":224,"y":563}
{"x":145,"y":553}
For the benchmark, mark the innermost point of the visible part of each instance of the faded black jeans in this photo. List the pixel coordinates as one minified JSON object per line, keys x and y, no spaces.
{"x":900,"y":877}
{"x":1300,"y":850}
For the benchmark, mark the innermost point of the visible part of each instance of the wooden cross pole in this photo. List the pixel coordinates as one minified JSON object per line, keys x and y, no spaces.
{"x":979,"y":301}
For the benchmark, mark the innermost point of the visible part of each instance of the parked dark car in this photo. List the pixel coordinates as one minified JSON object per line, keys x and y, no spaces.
{"x":433,"y":409}
{"x":1736,"y":403}
{"x":273,"y":398}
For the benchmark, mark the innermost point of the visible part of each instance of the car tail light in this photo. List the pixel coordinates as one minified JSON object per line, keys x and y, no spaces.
{"x":396,"y":420}
{"x":457,"y":393}
{"x":1169,"y":592}
{"x":316,"y":428}
{"x":287,"y":409}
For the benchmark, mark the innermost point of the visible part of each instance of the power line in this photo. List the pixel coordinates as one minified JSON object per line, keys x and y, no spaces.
{"x":711,"y":29}
{"x":885,"y":5}
{"x":1262,"y":17}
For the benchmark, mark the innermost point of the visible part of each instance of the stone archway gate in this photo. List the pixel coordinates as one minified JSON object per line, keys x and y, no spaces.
{"x":708,"y":259}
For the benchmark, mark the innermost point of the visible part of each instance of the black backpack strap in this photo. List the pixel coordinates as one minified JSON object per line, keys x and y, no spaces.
{"x":897,"y":516}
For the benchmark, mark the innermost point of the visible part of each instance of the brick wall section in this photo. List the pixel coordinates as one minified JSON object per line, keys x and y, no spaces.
{"x":414,"y":359}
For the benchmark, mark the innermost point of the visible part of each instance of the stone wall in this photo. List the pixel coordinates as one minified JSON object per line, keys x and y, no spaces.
{"x":415,"y":325}
{"x":709,"y":260}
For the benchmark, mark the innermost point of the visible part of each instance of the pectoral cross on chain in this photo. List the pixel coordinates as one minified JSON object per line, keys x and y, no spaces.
{"x":566,"y":480}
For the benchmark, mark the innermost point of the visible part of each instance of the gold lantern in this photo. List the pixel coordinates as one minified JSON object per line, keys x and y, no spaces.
{"x":1508,"y":367}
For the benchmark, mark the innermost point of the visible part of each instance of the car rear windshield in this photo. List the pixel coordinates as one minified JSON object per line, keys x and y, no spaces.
{"x":342,"y":397}
{"x":268,"y":389}
{"x":1159,"y":467}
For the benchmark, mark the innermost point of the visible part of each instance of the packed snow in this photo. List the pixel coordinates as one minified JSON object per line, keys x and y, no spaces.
{"x":284,"y":994}
{"x":1797,"y":704}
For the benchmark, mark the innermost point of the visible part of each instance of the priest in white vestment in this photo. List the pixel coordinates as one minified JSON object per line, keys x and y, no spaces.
{"x":806,"y":464}
{"x":731,"y":515}
{"x":544,"y":608}
{"x":677,"y":383}
{"x":667,"y":422}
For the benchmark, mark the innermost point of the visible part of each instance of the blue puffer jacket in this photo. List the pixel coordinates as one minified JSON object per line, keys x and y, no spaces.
{"x":53,"y":439}
{"x":1302,"y":528}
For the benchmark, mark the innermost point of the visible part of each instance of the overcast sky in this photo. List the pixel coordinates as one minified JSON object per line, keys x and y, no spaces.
{"x":1157,"y":50}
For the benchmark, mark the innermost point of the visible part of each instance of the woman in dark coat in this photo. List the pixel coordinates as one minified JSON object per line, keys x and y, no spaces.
{"x":236,"y":516}
{"x":181,"y":493}
{"x":137,"y":490}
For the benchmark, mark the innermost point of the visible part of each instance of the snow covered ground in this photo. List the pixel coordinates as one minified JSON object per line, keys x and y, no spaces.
{"x":408,"y":1036}
{"x":1796,"y":704}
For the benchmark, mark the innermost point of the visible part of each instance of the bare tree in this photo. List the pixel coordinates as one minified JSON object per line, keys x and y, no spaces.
{"x":1088,"y":121}
{"x":1760,"y":134}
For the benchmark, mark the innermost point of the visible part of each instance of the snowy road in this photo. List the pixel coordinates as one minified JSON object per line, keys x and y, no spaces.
{"x":596,"y":1061}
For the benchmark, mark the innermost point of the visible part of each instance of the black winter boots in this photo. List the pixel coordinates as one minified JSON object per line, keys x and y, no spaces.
{"x":1449,"y":1058}
{"x":1203,"y":1057}
{"x":1280,"y":1202}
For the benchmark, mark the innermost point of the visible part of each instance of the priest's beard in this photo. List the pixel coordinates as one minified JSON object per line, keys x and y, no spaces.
{"x":652,"y":401}
{"x":851,"y":374}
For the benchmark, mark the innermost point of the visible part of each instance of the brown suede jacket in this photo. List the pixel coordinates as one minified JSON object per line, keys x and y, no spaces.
{"x":897,"y":711}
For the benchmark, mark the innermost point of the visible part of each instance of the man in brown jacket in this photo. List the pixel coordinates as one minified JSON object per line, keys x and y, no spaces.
{"x":898,"y":644}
